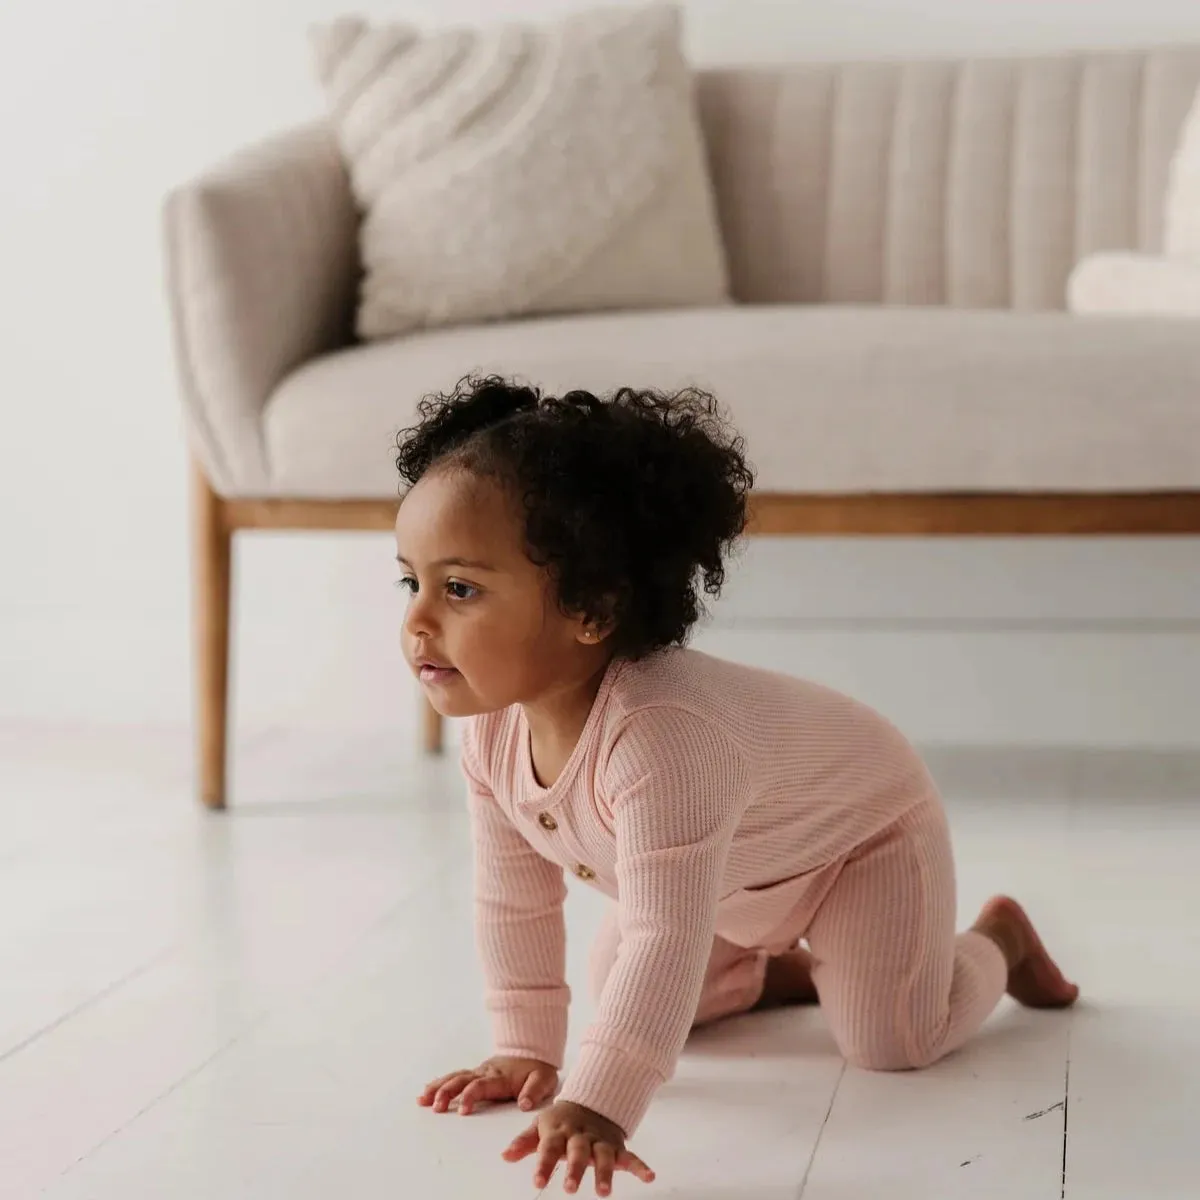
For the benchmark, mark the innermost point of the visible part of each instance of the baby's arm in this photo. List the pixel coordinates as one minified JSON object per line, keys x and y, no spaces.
{"x":681,"y":788}
{"x":520,"y":933}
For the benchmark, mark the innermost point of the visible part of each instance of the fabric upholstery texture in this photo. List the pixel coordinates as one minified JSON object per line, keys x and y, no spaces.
{"x":518,"y":169}
{"x":831,"y":399}
{"x":261,"y":272}
{"x":976,"y":184}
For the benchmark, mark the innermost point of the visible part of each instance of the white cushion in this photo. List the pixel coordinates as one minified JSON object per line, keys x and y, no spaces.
{"x":833,"y":400}
{"x":1181,"y":221}
{"x":523,"y":169}
{"x":1140,"y":284}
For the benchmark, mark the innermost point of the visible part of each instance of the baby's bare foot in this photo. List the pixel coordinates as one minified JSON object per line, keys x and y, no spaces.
{"x":788,"y":980}
{"x":1033,"y":976}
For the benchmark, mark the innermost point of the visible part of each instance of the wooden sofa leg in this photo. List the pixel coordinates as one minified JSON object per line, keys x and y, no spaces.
{"x":432,"y":728}
{"x":212,"y":546}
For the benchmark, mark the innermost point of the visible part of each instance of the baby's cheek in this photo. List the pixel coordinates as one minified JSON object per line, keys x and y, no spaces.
{"x":494,"y":670}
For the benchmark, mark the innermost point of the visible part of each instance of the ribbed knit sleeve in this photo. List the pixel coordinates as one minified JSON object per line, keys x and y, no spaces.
{"x":519,"y":928}
{"x":677,"y":789}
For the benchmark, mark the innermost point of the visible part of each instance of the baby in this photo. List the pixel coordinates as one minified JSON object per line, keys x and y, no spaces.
{"x":556,"y":550}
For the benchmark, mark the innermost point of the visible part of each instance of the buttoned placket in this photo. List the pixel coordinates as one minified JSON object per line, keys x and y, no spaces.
{"x":549,"y":823}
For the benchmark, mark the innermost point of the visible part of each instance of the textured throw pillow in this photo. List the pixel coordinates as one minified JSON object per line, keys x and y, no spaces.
{"x":1166,"y":284}
{"x":1181,"y":225}
{"x":1140,"y":285}
{"x":523,"y":169}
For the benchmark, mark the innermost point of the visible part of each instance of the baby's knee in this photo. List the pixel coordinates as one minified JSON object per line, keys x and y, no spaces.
{"x":890,"y":1053}
{"x":892,"y":1058}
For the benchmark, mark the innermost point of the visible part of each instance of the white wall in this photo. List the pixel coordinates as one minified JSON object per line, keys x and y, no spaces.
{"x":104,"y":106}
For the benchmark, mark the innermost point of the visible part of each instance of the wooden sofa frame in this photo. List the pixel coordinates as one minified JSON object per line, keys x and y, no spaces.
{"x":216,"y":520}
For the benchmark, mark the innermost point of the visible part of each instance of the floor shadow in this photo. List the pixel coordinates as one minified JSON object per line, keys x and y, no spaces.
{"x":728,"y":1191}
{"x":1011,"y":1035}
{"x":785,"y":1033}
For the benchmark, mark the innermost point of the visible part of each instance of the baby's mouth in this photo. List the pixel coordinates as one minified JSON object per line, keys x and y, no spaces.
{"x":435,"y":673}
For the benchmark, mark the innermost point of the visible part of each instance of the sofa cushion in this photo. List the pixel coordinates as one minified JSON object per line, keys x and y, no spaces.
{"x":1140,"y":284}
{"x":831,"y":400}
{"x":520,"y":169}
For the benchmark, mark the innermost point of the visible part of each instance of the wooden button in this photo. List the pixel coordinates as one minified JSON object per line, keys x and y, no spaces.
{"x":585,"y":873}
{"x":547,"y":822}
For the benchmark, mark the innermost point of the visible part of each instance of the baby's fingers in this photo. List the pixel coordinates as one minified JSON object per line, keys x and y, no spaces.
{"x":579,"y":1155}
{"x":550,"y":1150}
{"x":488,"y":1087}
{"x":604,"y":1159}
{"x":538,"y":1087}
{"x":523,"y":1145}
{"x":451,"y":1087}
{"x":635,"y":1166}
{"x":431,"y":1089}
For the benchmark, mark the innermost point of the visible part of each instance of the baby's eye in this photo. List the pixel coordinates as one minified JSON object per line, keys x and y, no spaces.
{"x":457,"y":590}
{"x":408,"y":583}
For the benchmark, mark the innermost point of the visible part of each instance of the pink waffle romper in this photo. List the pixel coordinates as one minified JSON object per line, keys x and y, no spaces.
{"x":727,"y":812}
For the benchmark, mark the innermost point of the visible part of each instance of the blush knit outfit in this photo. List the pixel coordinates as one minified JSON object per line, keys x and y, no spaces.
{"x":727,"y":812}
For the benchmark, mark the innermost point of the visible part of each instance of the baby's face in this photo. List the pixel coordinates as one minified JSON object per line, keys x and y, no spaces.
{"x":482,"y":630}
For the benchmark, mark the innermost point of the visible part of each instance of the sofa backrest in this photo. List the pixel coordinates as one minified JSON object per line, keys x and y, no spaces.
{"x":975,"y":184}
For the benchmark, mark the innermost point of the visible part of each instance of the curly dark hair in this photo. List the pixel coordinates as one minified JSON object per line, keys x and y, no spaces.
{"x":632,"y":500}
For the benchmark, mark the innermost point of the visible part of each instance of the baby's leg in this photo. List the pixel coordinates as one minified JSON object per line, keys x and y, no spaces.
{"x":899,"y":987}
{"x":733,"y":982}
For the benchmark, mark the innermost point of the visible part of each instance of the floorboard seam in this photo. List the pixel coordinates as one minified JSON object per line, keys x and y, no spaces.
{"x":89,"y":1002}
{"x":812,"y":1158}
{"x":1066,"y":1116}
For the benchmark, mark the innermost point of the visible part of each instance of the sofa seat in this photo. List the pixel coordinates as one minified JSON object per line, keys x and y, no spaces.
{"x":830,"y":399}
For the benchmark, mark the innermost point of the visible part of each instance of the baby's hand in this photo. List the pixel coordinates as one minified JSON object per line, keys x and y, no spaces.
{"x":584,"y":1138}
{"x":525,"y":1080}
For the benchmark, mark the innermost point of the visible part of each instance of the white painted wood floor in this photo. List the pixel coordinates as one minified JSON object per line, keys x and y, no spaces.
{"x":245,"y":1006}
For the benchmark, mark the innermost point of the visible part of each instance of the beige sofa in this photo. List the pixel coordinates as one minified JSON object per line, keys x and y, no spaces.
{"x":899,"y":238}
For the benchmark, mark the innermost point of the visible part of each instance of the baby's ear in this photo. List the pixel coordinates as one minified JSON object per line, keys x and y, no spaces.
{"x":597,"y":622}
{"x":593,"y":630}
{"x":593,"y":633}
